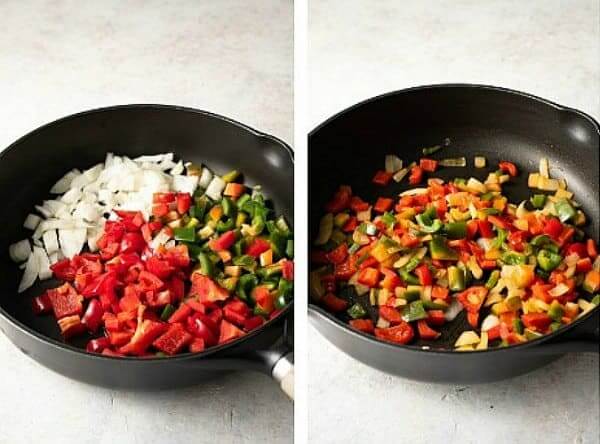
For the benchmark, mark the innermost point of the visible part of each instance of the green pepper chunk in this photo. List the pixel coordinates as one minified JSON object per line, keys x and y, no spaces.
{"x":439,"y":250}
{"x":538,"y":201}
{"x":518,"y":326}
{"x":412,"y":293}
{"x":412,"y":264}
{"x":230,"y":176}
{"x":167,"y":312}
{"x":248,"y":262}
{"x":596,"y":300}
{"x":565,"y":210}
{"x":435,"y":226}
{"x":555,"y":326}
{"x":225,"y":225}
{"x":530,"y":335}
{"x":456,"y":230}
{"x":258,"y":224}
{"x":430,"y":305}
{"x":357,"y":311}
{"x":414,"y":311}
{"x":548,"y":261}
{"x":388,"y":219}
{"x":185,"y":234}
{"x":269,"y":271}
{"x":278,"y":243}
{"x":229,"y":208}
{"x":408,"y":277}
{"x":245,"y":285}
{"x":242,"y":200}
{"x":499,"y":239}
{"x":456,"y":279}
{"x":207,"y":267}
{"x":487,"y":196}
{"x":555,"y":311}
{"x":199,"y":209}
{"x":493,"y":279}
{"x":289,"y":248}
{"x":431,"y":149}
{"x":513,"y":258}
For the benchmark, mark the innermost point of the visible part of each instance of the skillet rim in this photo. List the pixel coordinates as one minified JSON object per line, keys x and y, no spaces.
{"x":64,"y":346}
{"x":326,"y":316}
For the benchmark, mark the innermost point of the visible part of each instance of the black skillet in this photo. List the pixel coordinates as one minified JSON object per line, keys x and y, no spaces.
{"x":497,"y":123}
{"x":30,"y":166}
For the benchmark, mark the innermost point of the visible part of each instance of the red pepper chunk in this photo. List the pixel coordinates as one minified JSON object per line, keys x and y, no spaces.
{"x":236,"y":312}
{"x":224,"y":242}
{"x":340,"y":200}
{"x":70,"y":326}
{"x":383,"y":204}
{"x":175,"y":339}
{"x":428,"y":165}
{"x":390,"y":314}
{"x":65,"y":301}
{"x":338,"y":255}
{"x":592,"y":250}
{"x":436,"y":317}
{"x":424,"y":274}
{"x":184,"y":202}
{"x":253,"y":323}
{"x":92,"y":318}
{"x":369,"y":276}
{"x":425,"y":331}
{"x":536,"y":321}
{"x":357,"y":204}
{"x":257,"y":247}
{"x":508,"y":167}
{"x":382,"y":178}
{"x":146,"y":332}
{"x":416,"y":175}
{"x":485,"y":229}
{"x":197,"y":345}
{"x":472,"y":298}
{"x":391,"y":279}
{"x":41,"y":304}
{"x":287,"y":270}
{"x":333,"y":303}
{"x":364,"y":325}
{"x":402,"y":333}
{"x":229,"y":332}
{"x":207,"y":289}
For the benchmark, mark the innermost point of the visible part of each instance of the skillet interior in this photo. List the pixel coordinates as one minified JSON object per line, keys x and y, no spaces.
{"x":31,"y":165}
{"x":496,"y":123}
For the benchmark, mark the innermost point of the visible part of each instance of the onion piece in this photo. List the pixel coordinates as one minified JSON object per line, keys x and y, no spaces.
{"x":186,"y":184}
{"x":454,"y":162}
{"x":205,"y":178}
{"x":72,"y":240}
{"x":558,"y":290}
{"x":177,"y":169}
{"x":32,"y":221}
{"x":160,"y":239}
{"x":490,"y":322}
{"x":30,"y":274}
{"x":392,"y":163}
{"x":51,"y":241}
{"x":453,"y":310}
{"x":20,"y":251}
{"x":64,"y":183}
{"x":414,"y":192}
{"x":44,"y":271}
{"x":215,"y":188}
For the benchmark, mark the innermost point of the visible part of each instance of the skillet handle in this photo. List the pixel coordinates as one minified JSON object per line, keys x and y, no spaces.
{"x":283,"y":372}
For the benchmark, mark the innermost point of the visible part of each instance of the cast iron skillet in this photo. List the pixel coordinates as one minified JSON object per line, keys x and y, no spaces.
{"x":479,"y":120}
{"x":30,"y":166}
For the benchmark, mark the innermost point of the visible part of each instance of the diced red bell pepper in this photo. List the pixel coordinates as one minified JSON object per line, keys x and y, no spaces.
{"x":553,"y":227}
{"x":197,"y":345}
{"x":409,"y":240}
{"x":391,"y":279}
{"x":439,"y":292}
{"x":365,"y":325}
{"x":436,"y":317}
{"x":181,"y":314}
{"x":493,"y":333}
{"x":517,"y":239}
{"x":71,"y":326}
{"x":253,"y":322}
{"x":150,"y":282}
{"x":173,"y":340}
{"x":63,"y":270}
{"x":426,"y":332}
{"x":369,"y":277}
{"x":382,"y":178}
{"x":485,"y":229}
{"x":424,"y":274}
{"x":508,"y":167}
{"x":236,"y":312}
{"x":201,"y":326}
{"x":498,"y":222}
{"x":97,"y":345}
{"x":340,"y":200}
{"x":224,"y":242}
{"x":370,"y":261}
{"x":578,"y":248}
{"x":390,"y":314}
{"x":177,"y":288}
{"x":350,"y":225}
{"x":92,"y":317}
{"x":146,"y":332}
{"x":345,"y":270}
{"x":160,"y":209}
{"x":257,"y":247}
{"x":537,"y":321}
{"x":158,"y":298}
{"x":584,"y":265}
{"x":402,"y":333}
{"x":357,"y":204}
{"x":416,"y":175}
{"x":472,"y":298}
{"x":65,"y":301}
{"x":473,"y":319}
{"x":264,"y":299}
{"x":159,"y":268}
{"x":429,"y":165}
{"x":41,"y":304}
{"x":333,"y":303}
{"x":592,"y":249}
{"x":287,"y":270}
{"x":184,"y":202}
{"x":110,"y":251}
{"x":163,"y":197}
{"x":472,"y":228}
{"x":132,"y":243}
{"x":178,"y":256}
{"x":207,"y":289}
{"x":119,"y":338}
{"x":383,"y":204}
{"x":229,"y":332}
{"x":338,"y":255}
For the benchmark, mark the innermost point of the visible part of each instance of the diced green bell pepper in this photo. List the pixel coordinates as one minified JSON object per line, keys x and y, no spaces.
{"x":414,"y":311}
{"x":413,"y":293}
{"x":596,"y":300}
{"x":230,"y":176}
{"x":229,"y":208}
{"x":412,"y":264}
{"x":456,"y":279}
{"x":278,"y":243}
{"x":185,"y":234}
{"x":432,"y":227}
{"x":357,"y":311}
{"x":555,"y":311}
{"x":430,"y":305}
{"x":269,"y":271}
{"x":548,"y":260}
{"x":493,"y":279}
{"x":538,"y":201}
{"x":388,"y":219}
{"x":408,"y":277}
{"x":289,"y":248}
{"x":242,"y":200}
{"x":225,"y":225}
{"x":555,"y":326}
{"x":518,"y":326}
{"x":167,"y":312}
{"x":530,"y":335}
{"x":245,"y":285}
{"x":207,"y":267}
{"x":248,"y":262}
{"x":499,"y":239}
{"x":456,"y":230}
{"x":487,"y":196}
{"x":440,"y":251}
{"x":513,"y":258}
{"x":565,"y":210}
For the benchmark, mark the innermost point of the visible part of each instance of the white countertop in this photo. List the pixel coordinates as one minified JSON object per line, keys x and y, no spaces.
{"x":60,"y":57}
{"x":360,"y":49}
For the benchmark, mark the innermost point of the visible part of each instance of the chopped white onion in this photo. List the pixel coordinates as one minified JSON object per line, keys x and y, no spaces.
{"x":559,"y":290}
{"x":72,"y":240}
{"x":414,"y":192}
{"x":30,"y":274}
{"x":392,"y":163}
{"x":44,"y":271}
{"x":160,"y":239}
{"x":205,"y":178}
{"x":20,"y":251}
{"x":177,"y":169}
{"x":490,"y":322}
{"x":32,"y":221}
{"x":51,"y":241}
{"x":64,"y":183}
{"x":453,"y":310}
{"x":215,"y":188}
{"x":185,"y":184}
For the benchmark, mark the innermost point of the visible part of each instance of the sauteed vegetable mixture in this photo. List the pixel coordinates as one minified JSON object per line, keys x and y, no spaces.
{"x":187,"y":271}
{"x":399,"y":268}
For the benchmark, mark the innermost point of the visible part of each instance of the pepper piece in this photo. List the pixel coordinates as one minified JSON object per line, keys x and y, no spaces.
{"x":440,"y":251}
{"x":565,"y":210}
{"x":547,"y":260}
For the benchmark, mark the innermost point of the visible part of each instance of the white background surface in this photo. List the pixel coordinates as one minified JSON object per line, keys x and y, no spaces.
{"x":231,"y":57}
{"x":359,"y":49}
